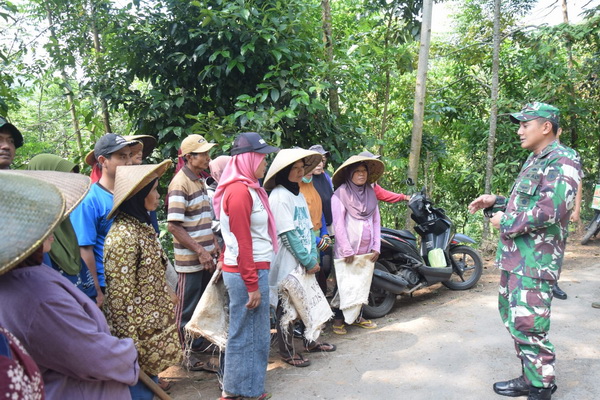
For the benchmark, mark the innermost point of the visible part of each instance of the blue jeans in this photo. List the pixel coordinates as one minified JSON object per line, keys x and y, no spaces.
{"x":142,"y":392}
{"x":249,"y":339}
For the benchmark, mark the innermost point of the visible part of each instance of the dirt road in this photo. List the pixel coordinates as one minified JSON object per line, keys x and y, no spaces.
{"x":439,"y":345}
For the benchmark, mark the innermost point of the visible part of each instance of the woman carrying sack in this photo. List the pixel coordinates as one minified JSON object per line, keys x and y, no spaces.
{"x":138,"y":302}
{"x":297,"y":256}
{"x":357,"y":226}
{"x":248,"y":230}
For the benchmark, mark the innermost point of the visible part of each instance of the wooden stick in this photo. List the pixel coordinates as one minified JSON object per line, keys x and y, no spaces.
{"x":154,"y":386}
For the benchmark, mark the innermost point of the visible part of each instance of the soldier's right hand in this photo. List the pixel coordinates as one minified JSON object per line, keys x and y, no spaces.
{"x":483,"y":201}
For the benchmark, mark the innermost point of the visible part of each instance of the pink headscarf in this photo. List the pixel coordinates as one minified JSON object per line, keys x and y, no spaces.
{"x":241,"y":168}
{"x":360,"y":201}
{"x":217,"y":166}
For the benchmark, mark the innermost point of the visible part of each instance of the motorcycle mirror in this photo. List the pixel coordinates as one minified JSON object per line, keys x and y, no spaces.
{"x":409,"y":182}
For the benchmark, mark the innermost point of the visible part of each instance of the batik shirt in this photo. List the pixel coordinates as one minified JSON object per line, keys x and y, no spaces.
{"x":533,"y":230}
{"x":138,"y":304}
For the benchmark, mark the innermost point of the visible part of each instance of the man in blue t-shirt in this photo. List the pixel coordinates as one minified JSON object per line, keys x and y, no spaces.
{"x":89,"y":218}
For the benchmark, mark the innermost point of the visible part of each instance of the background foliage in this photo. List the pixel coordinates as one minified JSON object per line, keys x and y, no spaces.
{"x":171,"y":67}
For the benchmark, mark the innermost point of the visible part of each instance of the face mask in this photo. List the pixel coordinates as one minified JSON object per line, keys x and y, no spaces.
{"x":307,"y":180}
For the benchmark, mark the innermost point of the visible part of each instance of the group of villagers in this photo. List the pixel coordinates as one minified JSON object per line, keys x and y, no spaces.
{"x":278,"y":252}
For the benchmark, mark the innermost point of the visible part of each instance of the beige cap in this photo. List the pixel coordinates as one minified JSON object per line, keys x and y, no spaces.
{"x":195,"y":144}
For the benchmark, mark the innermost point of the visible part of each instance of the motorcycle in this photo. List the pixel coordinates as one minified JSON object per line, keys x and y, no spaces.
{"x":404,"y":266}
{"x":592,"y":229}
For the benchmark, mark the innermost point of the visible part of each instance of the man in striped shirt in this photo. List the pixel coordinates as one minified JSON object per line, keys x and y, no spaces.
{"x":189,"y":220}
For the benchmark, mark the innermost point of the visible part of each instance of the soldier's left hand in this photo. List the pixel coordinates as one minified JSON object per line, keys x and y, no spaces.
{"x":495,"y":220}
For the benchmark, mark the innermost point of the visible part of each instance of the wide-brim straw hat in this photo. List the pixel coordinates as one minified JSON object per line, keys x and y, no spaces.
{"x":287,"y":157}
{"x":148,"y":143}
{"x":130,"y":179}
{"x":32,"y":204}
{"x":375,"y":167}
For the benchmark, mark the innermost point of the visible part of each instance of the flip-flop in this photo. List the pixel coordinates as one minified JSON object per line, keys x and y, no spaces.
{"x":293,"y":361}
{"x":366,"y":324}
{"x":164,"y":384}
{"x":339,"y":329}
{"x":324,"y":347}
{"x":204,"y":366}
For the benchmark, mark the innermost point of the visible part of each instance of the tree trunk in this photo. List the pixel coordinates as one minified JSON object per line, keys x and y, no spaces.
{"x":68,"y":91}
{"x":334,"y":100}
{"x":100,"y":69}
{"x":386,"y":95}
{"x":569,"y":46}
{"x":489,"y":165}
{"x":420,"y":91}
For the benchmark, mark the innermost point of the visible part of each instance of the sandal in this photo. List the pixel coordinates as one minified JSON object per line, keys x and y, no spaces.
{"x":263,"y":396}
{"x":296,"y":361}
{"x":204,"y":366}
{"x":366,"y":324}
{"x":325,"y":347}
{"x":164,"y":384}
{"x":339,"y":329}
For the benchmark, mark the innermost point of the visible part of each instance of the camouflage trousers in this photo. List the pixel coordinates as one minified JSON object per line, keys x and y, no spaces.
{"x":524,"y":305}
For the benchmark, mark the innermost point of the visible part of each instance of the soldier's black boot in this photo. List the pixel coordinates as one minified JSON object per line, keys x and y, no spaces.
{"x":512,"y":388}
{"x":536,"y":393}
{"x":558,"y":292}
{"x":516,"y":387}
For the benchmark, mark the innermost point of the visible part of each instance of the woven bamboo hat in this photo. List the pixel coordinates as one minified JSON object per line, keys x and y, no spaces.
{"x":130,"y":179}
{"x":287,"y":157}
{"x":148,"y":144}
{"x":32,"y":204}
{"x":375,"y":167}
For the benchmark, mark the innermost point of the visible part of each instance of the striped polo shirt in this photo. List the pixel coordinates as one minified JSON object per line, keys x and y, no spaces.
{"x":189,"y":204}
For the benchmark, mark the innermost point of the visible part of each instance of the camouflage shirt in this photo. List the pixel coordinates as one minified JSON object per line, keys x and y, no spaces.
{"x":533,"y":230}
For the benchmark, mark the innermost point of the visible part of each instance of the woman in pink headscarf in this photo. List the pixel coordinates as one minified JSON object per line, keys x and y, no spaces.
{"x":250,"y":237}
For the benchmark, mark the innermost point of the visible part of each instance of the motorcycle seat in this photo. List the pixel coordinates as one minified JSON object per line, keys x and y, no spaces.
{"x":402,"y":233}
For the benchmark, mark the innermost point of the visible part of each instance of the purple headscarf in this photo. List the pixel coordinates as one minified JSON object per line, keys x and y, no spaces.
{"x":360,"y":201}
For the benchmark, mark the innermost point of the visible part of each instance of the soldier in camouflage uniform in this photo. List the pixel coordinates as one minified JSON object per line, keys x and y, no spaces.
{"x":533,"y":232}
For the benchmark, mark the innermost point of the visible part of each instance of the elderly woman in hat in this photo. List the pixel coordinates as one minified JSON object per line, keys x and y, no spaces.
{"x":249,"y":233}
{"x":356,"y":219}
{"x":138,"y":302}
{"x":298,"y":250}
{"x":59,"y":326}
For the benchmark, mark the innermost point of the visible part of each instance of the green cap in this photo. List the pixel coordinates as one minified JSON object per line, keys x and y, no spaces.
{"x":536,"y":110}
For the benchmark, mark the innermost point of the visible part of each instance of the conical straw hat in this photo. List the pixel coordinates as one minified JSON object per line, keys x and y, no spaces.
{"x":149,"y":143}
{"x":375,"y":167}
{"x":72,"y":186}
{"x":130,"y":179}
{"x":31,"y":206}
{"x":287,"y":157}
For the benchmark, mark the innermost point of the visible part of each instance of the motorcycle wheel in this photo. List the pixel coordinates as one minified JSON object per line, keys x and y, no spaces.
{"x":380,"y":301}
{"x":471,"y":264}
{"x":591,"y":230}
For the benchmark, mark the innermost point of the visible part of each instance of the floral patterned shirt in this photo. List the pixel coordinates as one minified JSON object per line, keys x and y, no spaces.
{"x":20,"y":377}
{"x":138,"y":304}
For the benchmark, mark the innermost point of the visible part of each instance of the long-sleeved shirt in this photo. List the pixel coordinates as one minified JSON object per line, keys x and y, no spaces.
{"x":533,"y":229}
{"x":245,"y":230}
{"x":67,"y":336}
{"x":353,"y":236}
{"x":387,"y":196}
